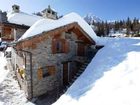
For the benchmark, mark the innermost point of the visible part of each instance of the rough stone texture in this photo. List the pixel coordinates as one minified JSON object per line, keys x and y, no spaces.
{"x":3,"y":17}
{"x":20,"y":32}
{"x":42,"y":56}
{"x":19,"y":61}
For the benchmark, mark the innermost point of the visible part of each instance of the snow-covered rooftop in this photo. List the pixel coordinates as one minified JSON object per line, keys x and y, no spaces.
{"x":22,"y":18}
{"x":44,"y":25}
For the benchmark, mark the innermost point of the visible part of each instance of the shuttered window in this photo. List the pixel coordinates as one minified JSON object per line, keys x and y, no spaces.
{"x":51,"y":70}
{"x":40,"y":73}
{"x":60,"y":46}
{"x":81,"y":49}
{"x":46,"y":71}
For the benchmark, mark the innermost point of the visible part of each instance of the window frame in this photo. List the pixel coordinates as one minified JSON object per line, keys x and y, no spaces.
{"x":47,"y":71}
{"x":64,"y":46}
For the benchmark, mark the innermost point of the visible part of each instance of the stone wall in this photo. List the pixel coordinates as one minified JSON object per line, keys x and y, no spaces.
{"x":20,"y":32}
{"x":3,"y":17}
{"x":21,"y":61}
{"x":42,"y":56}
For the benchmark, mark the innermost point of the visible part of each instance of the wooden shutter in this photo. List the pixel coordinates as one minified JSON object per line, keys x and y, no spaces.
{"x":51,"y":70}
{"x":40,"y":74}
{"x":65,"y":46}
{"x":81,"y":49}
{"x":53,"y":46}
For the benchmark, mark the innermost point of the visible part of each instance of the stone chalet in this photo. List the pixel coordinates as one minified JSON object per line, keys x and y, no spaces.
{"x":51,"y":52}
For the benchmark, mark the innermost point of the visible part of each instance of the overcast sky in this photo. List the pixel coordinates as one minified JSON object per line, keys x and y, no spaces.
{"x":105,"y":9}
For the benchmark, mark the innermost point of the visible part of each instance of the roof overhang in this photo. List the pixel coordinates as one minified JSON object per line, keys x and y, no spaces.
{"x":74,"y":27}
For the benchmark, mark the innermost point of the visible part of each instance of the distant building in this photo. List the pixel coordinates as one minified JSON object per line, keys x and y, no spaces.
{"x":10,"y":31}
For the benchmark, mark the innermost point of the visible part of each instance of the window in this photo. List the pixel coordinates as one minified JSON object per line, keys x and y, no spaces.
{"x":68,"y":35}
{"x":16,"y":8}
{"x":49,"y":11}
{"x":60,"y":46}
{"x":46,"y":71}
{"x":68,"y":32}
{"x":53,"y":13}
{"x":51,"y":70}
{"x":80,"y":49}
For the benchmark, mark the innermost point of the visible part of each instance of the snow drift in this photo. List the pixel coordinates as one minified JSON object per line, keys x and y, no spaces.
{"x":112,"y":77}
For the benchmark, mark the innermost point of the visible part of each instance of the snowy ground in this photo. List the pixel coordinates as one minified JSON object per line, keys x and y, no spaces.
{"x":10,"y":93}
{"x":112,"y":78}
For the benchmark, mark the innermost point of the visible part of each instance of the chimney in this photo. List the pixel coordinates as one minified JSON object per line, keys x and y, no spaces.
{"x":49,"y":13}
{"x":15,"y":8}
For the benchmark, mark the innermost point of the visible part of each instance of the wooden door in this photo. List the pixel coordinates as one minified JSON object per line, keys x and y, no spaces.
{"x":65,"y":74}
{"x":81,"y":49}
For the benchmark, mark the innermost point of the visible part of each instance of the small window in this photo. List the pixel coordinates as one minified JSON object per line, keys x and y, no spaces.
{"x":49,"y":11}
{"x":51,"y":70}
{"x":68,"y":32}
{"x":59,"y":47}
{"x":16,"y":8}
{"x":53,"y":13}
{"x":46,"y":71}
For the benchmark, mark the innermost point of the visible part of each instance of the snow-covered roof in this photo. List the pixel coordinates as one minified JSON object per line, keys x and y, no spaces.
{"x":44,"y":25}
{"x":22,"y":18}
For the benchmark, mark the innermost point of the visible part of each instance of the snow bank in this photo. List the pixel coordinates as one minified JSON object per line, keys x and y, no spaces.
{"x":9,"y":49}
{"x":10,"y":93}
{"x":22,"y":18}
{"x":47,"y":24}
{"x":3,"y":71}
{"x":112,"y":77}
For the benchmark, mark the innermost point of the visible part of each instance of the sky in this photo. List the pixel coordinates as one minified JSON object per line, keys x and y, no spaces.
{"x":104,"y":9}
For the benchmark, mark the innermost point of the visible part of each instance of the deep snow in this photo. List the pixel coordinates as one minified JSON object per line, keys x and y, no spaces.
{"x":10,"y":93}
{"x":112,"y":77}
{"x":3,"y":72}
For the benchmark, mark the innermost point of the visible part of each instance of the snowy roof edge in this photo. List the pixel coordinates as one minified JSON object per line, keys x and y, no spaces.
{"x":44,"y":25}
{"x":39,"y":34}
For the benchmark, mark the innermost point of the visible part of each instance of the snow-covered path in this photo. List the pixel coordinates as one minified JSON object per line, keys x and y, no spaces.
{"x":3,"y":72}
{"x":112,"y":77}
{"x":10,"y":93}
